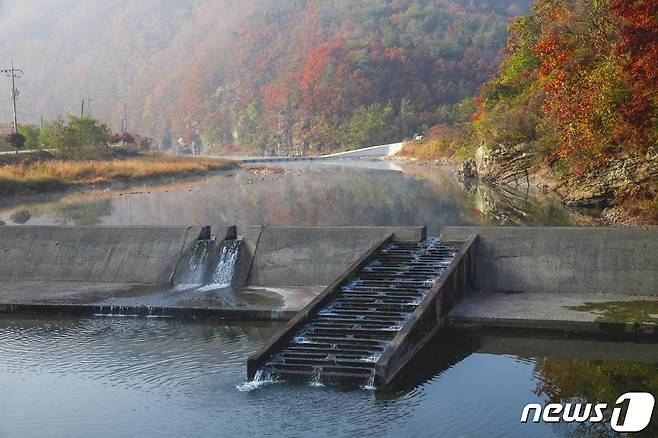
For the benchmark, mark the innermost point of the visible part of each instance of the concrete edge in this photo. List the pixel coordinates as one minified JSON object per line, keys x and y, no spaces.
{"x":616,"y":329}
{"x":252,"y":257}
{"x":99,"y":310}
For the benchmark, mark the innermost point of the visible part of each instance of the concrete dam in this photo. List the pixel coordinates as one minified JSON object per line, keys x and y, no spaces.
{"x":360,"y":302}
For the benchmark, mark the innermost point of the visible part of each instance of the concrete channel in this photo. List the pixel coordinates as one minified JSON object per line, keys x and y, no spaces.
{"x":372,"y":152}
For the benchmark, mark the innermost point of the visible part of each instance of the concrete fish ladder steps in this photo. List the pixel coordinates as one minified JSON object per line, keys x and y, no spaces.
{"x":371,"y":321}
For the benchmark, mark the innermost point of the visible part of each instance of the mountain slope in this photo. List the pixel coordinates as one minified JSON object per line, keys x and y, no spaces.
{"x":256,"y":75}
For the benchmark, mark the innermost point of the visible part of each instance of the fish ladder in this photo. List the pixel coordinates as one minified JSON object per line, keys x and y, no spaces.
{"x":372,"y":320}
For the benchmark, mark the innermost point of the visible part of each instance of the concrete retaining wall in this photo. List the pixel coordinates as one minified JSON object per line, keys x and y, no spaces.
{"x":93,"y":254}
{"x":564,"y":260}
{"x":308,"y":256}
{"x":386,"y":150}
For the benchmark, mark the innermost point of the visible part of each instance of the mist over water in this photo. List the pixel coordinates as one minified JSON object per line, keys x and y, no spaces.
{"x":341,"y":193}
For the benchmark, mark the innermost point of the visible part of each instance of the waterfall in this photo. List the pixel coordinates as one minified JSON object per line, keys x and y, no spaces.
{"x":221,"y":276}
{"x":194,"y":265}
{"x":208,"y":266}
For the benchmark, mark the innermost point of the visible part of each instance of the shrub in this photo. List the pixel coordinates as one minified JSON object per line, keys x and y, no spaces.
{"x":16,"y":140}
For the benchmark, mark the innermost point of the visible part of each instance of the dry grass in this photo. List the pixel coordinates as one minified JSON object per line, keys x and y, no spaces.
{"x":432,"y":149}
{"x":56,"y":174}
{"x":452,"y":144}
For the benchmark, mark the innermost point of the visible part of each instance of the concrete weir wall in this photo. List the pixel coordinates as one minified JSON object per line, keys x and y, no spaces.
{"x":143,"y":255}
{"x":270,"y":256}
{"x":308,"y":256}
{"x":563,"y":260}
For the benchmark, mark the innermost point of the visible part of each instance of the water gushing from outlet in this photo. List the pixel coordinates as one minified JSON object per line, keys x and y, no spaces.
{"x":208,"y":266}
{"x":192,"y":269}
{"x":221,"y":276}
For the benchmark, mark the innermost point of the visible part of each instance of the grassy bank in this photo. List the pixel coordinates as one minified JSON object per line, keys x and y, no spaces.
{"x":49,"y":175}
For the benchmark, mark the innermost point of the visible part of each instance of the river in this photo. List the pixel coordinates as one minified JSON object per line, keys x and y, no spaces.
{"x":137,"y":377}
{"x":305,"y":193}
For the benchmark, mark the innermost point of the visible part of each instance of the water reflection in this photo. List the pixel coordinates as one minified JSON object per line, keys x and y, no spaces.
{"x":564,"y":370}
{"x":595,"y":381}
{"x":340,"y":193}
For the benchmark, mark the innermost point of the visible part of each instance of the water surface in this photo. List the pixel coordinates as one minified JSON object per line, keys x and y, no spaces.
{"x":318,"y":193}
{"x":108,"y":377}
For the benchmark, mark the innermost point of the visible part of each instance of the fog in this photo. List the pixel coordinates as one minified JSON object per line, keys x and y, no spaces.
{"x":145,"y":53}
{"x":249,"y":72}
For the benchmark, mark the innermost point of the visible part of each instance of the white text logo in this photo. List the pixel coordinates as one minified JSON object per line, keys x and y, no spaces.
{"x":638,"y":412}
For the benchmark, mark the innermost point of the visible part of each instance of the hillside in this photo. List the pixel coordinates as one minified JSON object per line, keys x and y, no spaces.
{"x":310,"y":77}
{"x":160,"y":57}
{"x":256,"y":75}
{"x":576,"y":97}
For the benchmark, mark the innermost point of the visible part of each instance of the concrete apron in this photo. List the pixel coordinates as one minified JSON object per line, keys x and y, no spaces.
{"x":587,"y":280}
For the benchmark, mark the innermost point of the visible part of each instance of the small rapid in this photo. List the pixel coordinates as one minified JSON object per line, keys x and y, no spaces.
{"x":191,"y":271}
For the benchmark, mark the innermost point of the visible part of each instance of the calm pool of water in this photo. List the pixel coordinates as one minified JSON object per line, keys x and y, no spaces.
{"x":110,"y":377}
{"x":339,"y":193}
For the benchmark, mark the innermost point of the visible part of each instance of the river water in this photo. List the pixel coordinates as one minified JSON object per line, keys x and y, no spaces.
{"x":130,"y":377}
{"x":336,"y":193}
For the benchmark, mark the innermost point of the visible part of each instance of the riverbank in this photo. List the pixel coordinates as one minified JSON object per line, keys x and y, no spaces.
{"x":623,"y":196}
{"x":43,"y":172}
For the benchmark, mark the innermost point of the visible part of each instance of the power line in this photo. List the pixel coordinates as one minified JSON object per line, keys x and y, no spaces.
{"x":13,"y":73}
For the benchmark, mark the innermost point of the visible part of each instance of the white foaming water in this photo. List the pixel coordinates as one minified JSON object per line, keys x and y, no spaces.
{"x":261,"y":378}
{"x":208,"y":268}
{"x":301,"y":339}
{"x":222,"y":275}
{"x":372,"y":358}
{"x":315,"y":380}
{"x":370,"y":384}
{"x":192,"y":273}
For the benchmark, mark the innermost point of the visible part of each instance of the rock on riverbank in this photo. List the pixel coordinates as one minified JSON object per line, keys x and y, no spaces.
{"x":626,"y":187}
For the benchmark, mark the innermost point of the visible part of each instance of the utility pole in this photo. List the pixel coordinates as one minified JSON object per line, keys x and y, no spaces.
{"x":125,"y":118}
{"x":402,"y":110}
{"x":89,"y":100}
{"x":14,"y":74}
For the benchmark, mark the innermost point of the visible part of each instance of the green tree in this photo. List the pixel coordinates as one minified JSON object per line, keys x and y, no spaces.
{"x":369,"y":126}
{"x":78,"y":137}
{"x":54,"y":135}
{"x":88,"y":132}
{"x":31,"y":134}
